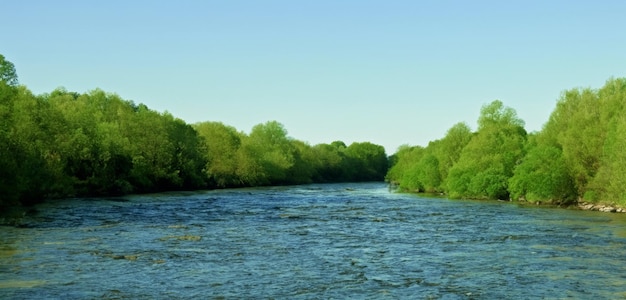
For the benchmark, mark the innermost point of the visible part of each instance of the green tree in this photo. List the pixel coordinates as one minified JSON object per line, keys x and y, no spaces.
{"x":488,"y":160}
{"x":222,"y":143}
{"x":426,"y":169}
{"x":580,"y":133}
{"x":266,"y":155}
{"x":428,"y":172}
{"x":405,"y":172}
{"x":328,"y":162}
{"x":303,"y":169}
{"x":542,"y":176}
{"x":7,"y":72}
{"x":369,"y":161}
{"x":189,"y":160}
{"x":448,"y":150}
{"x":94,"y":151}
{"x":10,"y":173}
{"x":29,"y":161}
{"x":610,"y":179}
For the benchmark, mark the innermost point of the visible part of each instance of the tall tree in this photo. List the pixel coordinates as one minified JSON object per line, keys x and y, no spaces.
{"x":609,"y":181}
{"x":542,"y":175}
{"x":448,"y":150}
{"x":369,"y":161}
{"x":265,"y":155}
{"x":303,"y":169}
{"x":7,"y":72}
{"x":328,"y":162}
{"x":405,"y":171}
{"x":222,"y":143}
{"x":580,"y":134}
{"x":488,"y":160}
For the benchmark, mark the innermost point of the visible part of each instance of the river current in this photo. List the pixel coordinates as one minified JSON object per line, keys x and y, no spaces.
{"x":320,"y":241}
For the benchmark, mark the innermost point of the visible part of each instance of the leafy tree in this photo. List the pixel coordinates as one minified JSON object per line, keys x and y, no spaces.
{"x":448,"y":150}
{"x":69,"y":144}
{"x":265,"y":155}
{"x":10,"y":173}
{"x":222,"y":143}
{"x":542,"y":176}
{"x":609,"y":181}
{"x":581,"y":135}
{"x":426,"y":169}
{"x":189,"y":160}
{"x":31,"y":131}
{"x":488,"y":160}
{"x":95,"y":152}
{"x":328,"y":159}
{"x":304,"y":168}
{"x":579,"y":151}
{"x":368,"y":160}
{"x":7,"y":72}
{"x":152,"y":151}
{"x":429,"y":176}
{"x":405,"y":172}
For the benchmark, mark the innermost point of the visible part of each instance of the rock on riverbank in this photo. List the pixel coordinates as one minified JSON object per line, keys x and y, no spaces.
{"x":601,"y":207}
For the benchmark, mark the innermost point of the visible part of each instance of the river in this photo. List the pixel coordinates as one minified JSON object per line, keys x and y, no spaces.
{"x":310,"y":242}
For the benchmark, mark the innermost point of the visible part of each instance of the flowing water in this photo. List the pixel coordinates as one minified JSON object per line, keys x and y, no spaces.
{"x":310,"y":242}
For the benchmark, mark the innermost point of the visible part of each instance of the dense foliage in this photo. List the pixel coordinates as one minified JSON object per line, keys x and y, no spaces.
{"x":578,"y":155}
{"x":69,"y":144}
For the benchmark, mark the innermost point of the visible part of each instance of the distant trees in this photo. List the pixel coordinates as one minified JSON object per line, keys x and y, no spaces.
{"x":69,"y":144}
{"x":365,"y":162}
{"x":268,"y":156}
{"x":578,"y":155}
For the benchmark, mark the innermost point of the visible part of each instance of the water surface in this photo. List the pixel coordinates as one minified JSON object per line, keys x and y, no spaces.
{"x":312,"y":241}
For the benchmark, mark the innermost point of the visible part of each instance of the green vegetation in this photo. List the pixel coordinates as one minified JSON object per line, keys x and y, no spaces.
{"x":69,"y":144}
{"x":577,"y":156}
{"x":65,"y":144}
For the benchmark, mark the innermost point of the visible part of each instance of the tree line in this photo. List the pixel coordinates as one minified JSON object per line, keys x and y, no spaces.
{"x":66,"y":144}
{"x":578,"y":155}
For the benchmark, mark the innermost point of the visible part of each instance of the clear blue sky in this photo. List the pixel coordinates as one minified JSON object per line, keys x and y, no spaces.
{"x":388,"y":72}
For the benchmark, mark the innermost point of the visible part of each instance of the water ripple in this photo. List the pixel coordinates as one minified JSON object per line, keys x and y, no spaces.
{"x":315,"y":241}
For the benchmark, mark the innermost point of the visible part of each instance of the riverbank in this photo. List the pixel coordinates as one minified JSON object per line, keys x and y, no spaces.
{"x":582,"y":205}
{"x":13,"y":216}
{"x":601,"y":207}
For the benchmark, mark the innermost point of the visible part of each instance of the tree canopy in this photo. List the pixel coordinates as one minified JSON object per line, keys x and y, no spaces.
{"x":7,"y":72}
{"x":577,"y":156}
{"x":66,"y":143}
{"x":96,"y":143}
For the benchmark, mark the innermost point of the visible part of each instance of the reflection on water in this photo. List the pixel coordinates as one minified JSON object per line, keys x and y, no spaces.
{"x":314,"y":241}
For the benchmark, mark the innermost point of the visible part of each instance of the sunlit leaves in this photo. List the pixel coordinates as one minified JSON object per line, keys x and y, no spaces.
{"x":7,"y":72}
{"x":487,"y":162}
{"x":222,"y":143}
{"x":268,"y":154}
{"x":95,"y":143}
{"x":542,"y":176}
{"x":426,"y":169}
